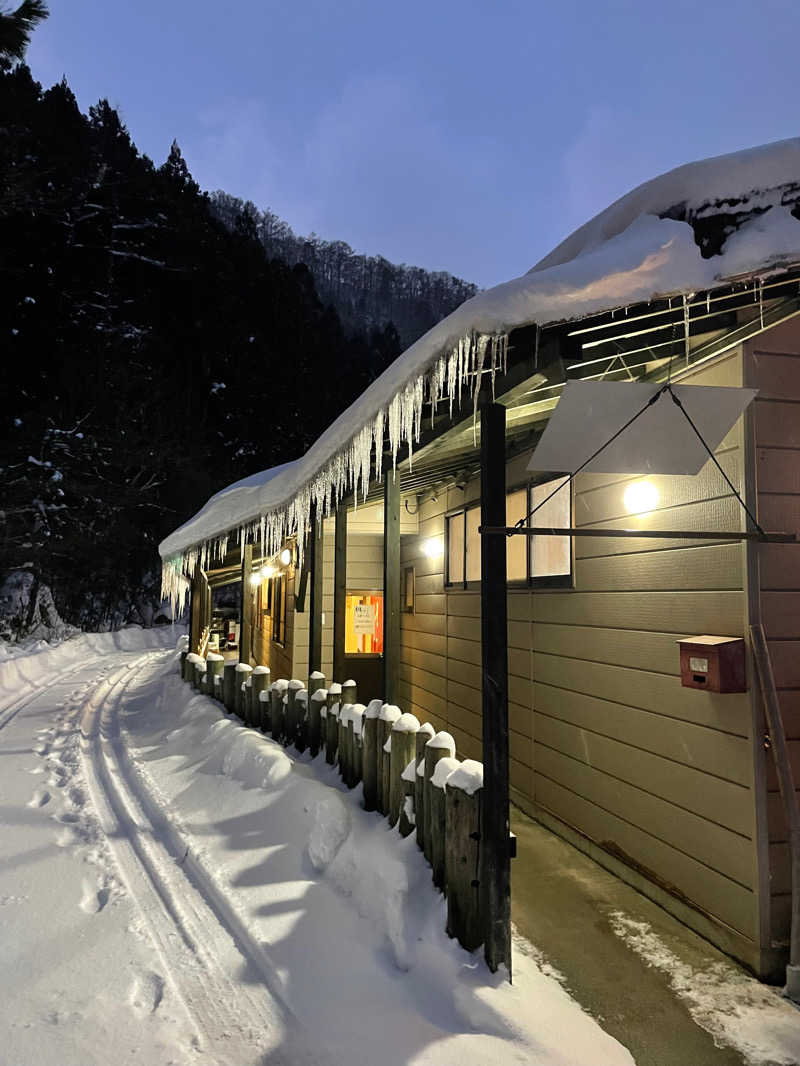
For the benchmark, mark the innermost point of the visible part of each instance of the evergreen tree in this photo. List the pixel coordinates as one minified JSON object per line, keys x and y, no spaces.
{"x":16,"y":28}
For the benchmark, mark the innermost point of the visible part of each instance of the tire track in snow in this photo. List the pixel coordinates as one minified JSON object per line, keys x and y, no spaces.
{"x":221,"y":973}
{"x":13,"y":709}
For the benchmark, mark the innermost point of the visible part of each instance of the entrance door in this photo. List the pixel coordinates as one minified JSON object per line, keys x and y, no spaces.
{"x":363,"y":642}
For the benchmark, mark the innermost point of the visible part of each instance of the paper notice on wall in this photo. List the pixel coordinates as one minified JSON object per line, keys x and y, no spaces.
{"x":363,"y":619}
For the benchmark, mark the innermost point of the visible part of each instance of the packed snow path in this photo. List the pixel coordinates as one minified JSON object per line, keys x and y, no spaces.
{"x":177,"y":889}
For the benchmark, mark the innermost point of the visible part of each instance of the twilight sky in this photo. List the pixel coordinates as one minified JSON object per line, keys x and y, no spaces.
{"x":464,"y":136}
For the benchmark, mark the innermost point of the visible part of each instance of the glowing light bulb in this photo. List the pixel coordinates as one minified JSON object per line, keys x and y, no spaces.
{"x":640,"y":496}
{"x":267,"y":572}
{"x":255,"y":579}
{"x":433,"y":547}
{"x":286,"y":556}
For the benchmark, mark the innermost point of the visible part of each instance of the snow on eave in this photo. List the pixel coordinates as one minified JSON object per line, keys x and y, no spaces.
{"x":627,"y":255}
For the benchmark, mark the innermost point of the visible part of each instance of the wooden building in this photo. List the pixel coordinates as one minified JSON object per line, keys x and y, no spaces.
{"x":671,"y":787}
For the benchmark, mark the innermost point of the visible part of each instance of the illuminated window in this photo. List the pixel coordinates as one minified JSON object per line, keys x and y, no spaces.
{"x":535,"y":560}
{"x":363,"y":630}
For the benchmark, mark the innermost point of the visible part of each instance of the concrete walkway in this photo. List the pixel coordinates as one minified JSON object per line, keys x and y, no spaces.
{"x":562,"y":902}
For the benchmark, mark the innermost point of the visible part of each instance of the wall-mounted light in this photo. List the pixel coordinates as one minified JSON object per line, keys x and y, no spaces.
{"x":433,"y":547}
{"x":286,"y":556}
{"x":255,"y":579}
{"x":267,"y":571}
{"x":640,"y":496}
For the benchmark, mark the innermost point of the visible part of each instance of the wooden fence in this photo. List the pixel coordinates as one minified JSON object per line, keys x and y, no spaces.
{"x":410,"y":774}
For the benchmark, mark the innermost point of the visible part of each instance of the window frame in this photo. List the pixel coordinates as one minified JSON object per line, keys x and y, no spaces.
{"x":362,"y":592}
{"x":551,"y":581}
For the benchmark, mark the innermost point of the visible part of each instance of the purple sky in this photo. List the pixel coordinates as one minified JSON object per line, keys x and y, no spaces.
{"x":464,"y":136}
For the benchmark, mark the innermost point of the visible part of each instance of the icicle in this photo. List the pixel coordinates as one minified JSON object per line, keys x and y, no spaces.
{"x":686,"y":326}
{"x":761,"y":300}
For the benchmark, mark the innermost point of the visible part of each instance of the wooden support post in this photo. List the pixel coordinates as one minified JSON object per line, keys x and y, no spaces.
{"x":314,"y":563}
{"x":243,"y":671}
{"x":436,"y":825}
{"x":386,"y":719}
{"x":495,"y":875}
{"x":276,"y":693}
{"x":196,"y":616}
{"x":462,"y":854}
{"x":357,"y":714}
{"x":424,"y":734}
{"x":391,"y":585}
{"x":246,"y":610}
{"x":345,"y":738}
{"x":214,"y":666}
{"x":408,"y":814}
{"x":332,"y":722}
{"x":339,"y":588}
{"x":260,"y":678}
{"x":290,"y":720}
{"x":349,"y":692}
{"x":301,"y":719}
{"x":315,"y":720}
{"x":404,"y":732}
{"x":440,"y":746}
{"x":229,"y":676}
{"x":369,"y":738}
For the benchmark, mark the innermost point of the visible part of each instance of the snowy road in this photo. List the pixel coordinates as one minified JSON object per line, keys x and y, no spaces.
{"x":177,"y":889}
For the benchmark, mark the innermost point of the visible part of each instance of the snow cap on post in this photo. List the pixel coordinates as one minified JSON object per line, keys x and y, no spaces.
{"x":243,"y":668}
{"x":334,"y":689}
{"x":444,"y":768}
{"x":357,"y":717}
{"x":301,"y":696}
{"x":410,"y":771}
{"x":316,"y":675}
{"x":280,"y":684}
{"x":427,"y":728}
{"x":443,"y":740}
{"x":259,"y":669}
{"x":319,"y":695}
{"x":193,"y":657}
{"x":295,"y":685}
{"x":468,"y":777}
{"x":406,"y":723}
{"x":373,"y":709}
{"x":213,"y":657}
{"x":389,"y":713}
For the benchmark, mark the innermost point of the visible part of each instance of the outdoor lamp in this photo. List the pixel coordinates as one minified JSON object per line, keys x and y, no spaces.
{"x":286,"y":556}
{"x":255,"y":579}
{"x":433,"y":547}
{"x":640,"y":496}
{"x":267,"y":572}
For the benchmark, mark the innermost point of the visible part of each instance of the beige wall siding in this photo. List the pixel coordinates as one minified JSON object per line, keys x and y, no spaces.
{"x":602,"y":733}
{"x":773,"y":367}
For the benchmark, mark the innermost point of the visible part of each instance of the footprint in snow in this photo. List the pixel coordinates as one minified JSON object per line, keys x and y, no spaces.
{"x":40,"y":797}
{"x":146,"y":992}
{"x":94,"y":898}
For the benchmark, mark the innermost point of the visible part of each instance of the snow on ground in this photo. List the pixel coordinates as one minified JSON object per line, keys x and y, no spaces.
{"x":175,"y":888}
{"x":735,"y":1009}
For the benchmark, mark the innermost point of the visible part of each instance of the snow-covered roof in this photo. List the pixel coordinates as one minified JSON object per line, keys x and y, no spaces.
{"x":642,"y":247}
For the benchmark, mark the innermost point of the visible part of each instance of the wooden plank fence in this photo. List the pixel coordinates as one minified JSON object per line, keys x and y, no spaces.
{"x":409,"y":773}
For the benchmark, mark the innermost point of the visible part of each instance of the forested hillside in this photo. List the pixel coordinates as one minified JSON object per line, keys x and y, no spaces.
{"x":151,"y":353}
{"x":367,"y":291}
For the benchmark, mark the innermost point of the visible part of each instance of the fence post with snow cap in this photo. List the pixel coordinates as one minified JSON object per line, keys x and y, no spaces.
{"x":229,"y":676}
{"x":440,"y":746}
{"x":316,"y":720}
{"x":349,"y":692}
{"x":424,"y":734}
{"x":357,"y":712}
{"x":260,"y":678}
{"x":332,"y":722}
{"x":345,"y":741}
{"x":369,"y":743}
{"x":276,"y":693}
{"x":386,"y":719}
{"x":182,"y":665}
{"x":301,"y":719}
{"x":316,"y":680}
{"x":408,"y":815}
{"x":200,"y":674}
{"x":188,"y":667}
{"x":403,"y":733}
{"x":243,"y":671}
{"x":290,"y":721}
{"x":436,"y":826}
{"x":462,"y":858}
{"x":215,"y":664}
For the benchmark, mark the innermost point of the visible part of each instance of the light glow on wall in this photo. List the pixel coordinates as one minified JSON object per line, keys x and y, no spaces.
{"x":640,"y":497}
{"x":433,"y":547}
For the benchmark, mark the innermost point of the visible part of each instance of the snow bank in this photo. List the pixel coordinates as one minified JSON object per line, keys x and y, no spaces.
{"x":633,"y":252}
{"x":352,"y":927}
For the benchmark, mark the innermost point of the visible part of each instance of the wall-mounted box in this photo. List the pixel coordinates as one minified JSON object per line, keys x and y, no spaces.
{"x":713,"y":663}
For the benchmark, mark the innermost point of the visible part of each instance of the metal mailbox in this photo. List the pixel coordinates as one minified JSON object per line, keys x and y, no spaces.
{"x":713,"y":663}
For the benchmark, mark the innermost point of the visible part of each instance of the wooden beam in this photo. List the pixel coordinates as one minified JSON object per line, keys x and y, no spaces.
{"x":195,"y":624}
{"x":246,"y":611}
{"x":339,"y":590}
{"x":495,"y":874}
{"x":391,"y":585}
{"x":315,"y":564}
